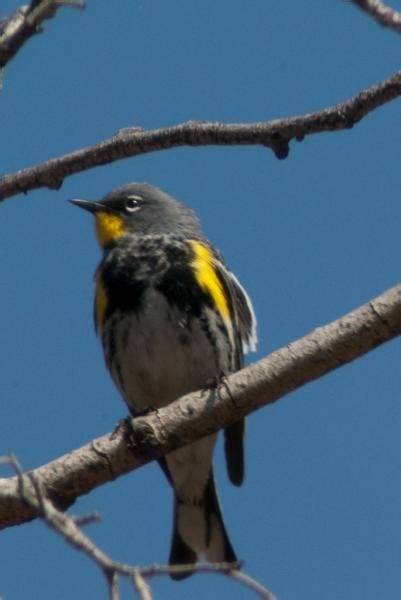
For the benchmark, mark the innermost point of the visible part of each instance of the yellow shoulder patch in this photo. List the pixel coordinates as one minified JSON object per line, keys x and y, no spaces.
{"x":101,"y":301}
{"x":109,"y":227}
{"x":203,"y":264}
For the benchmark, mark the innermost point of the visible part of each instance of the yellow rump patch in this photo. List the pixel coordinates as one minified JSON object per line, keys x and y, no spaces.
{"x":108,"y":228}
{"x":101,"y":302}
{"x":207,"y":278}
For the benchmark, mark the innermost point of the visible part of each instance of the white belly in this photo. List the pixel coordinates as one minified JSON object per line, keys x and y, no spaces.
{"x":163,"y":355}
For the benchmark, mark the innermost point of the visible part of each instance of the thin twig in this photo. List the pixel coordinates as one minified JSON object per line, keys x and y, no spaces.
{"x":113,"y":582}
{"x":221,"y":568}
{"x":384,"y":15}
{"x":274,"y":134}
{"x":45,"y":9}
{"x":141,"y":586}
{"x":253,"y":585}
{"x":93,"y":517}
{"x":32,"y":492}
{"x":26,"y":22}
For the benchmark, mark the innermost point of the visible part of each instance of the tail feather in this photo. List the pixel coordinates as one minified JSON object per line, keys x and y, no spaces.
{"x":180,"y":554}
{"x":199,"y":531}
{"x":234,"y":450}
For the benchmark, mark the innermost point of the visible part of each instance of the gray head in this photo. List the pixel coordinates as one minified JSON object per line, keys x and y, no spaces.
{"x":139,"y":208}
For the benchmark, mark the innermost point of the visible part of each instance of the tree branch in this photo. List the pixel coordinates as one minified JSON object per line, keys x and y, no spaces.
{"x":198,"y":414}
{"x":31,"y":492}
{"x":134,"y":141}
{"x":25,"y":22}
{"x":386,"y":16}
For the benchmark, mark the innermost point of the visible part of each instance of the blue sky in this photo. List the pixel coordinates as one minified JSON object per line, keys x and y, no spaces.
{"x":310,"y":237}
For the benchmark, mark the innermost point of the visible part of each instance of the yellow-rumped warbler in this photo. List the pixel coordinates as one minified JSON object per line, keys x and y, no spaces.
{"x":171,"y":318}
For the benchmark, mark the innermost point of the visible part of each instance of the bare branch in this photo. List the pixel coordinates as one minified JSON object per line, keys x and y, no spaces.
{"x":114,"y":585}
{"x":25,"y":22}
{"x":198,"y":414}
{"x":274,"y":134}
{"x":218,"y":568}
{"x":141,"y":586}
{"x":93,"y":517}
{"x":31,"y":491}
{"x":386,"y":16}
{"x":253,"y":585}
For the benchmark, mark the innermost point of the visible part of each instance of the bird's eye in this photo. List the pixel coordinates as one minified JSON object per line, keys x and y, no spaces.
{"x":132,"y":203}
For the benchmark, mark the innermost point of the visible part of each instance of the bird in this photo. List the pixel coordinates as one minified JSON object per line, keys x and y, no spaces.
{"x":171,"y":318}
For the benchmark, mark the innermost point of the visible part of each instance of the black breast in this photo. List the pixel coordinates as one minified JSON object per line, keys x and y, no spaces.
{"x":159,"y":261}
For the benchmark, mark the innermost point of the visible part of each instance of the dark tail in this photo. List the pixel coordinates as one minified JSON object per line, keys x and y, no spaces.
{"x":234,"y":449}
{"x":199,"y":531}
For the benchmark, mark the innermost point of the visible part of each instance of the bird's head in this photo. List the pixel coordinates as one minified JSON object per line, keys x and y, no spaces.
{"x":139,"y":209}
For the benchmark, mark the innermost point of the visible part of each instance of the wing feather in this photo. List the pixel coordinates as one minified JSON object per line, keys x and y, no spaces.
{"x":243,"y":313}
{"x":244,"y":320}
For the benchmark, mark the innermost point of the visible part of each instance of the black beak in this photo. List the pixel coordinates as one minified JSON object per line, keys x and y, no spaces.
{"x":90,"y":205}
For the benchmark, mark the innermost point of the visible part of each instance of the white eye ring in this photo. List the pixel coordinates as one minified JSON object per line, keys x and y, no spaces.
{"x":132,"y":203}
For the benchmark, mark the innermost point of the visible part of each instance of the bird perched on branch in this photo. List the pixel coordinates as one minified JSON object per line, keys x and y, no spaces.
{"x":171,"y":318}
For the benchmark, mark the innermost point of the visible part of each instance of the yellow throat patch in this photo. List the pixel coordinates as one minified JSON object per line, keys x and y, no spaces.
{"x":207,"y":278}
{"x":109,"y":227}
